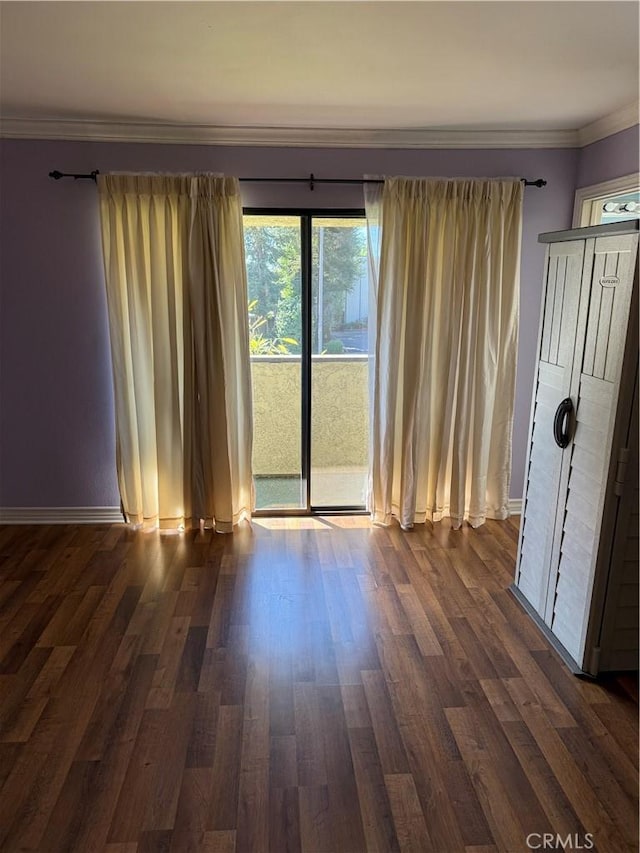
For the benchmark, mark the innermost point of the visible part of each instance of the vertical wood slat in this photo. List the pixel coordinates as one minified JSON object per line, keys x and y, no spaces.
{"x":594,"y":314}
{"x":552,"y":277}
{"x":604,"y":330}
{"x":557,"y":311}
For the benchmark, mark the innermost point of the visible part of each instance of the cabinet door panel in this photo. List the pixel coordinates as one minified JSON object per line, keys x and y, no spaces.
{"x":553,"y":383}
{"x":609,"y":307}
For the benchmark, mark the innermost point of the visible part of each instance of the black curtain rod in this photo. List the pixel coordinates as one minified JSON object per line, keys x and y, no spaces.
{"x":311,"y":180}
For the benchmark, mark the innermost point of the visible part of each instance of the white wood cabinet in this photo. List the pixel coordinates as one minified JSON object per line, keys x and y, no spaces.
{"x":577,"y":568}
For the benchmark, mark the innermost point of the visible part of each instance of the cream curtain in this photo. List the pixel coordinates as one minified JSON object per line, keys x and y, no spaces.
{"x":177,"y":301}
{"x":445,"y":358}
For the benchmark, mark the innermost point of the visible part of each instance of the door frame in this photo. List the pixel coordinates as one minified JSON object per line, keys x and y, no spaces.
{"x":307,"y":214}
{"x":585,"y":197}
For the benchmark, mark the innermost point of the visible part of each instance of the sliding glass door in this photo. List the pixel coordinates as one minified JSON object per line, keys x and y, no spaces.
{"x":339,"y":362}
{"x":308,"y":317}
{"x":273,"y":246}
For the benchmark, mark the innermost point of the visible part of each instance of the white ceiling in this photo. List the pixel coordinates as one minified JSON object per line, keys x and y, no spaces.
{"x":377,"y":65}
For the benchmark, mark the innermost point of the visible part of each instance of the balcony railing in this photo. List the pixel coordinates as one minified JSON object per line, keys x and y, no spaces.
{"x":340,"y":413}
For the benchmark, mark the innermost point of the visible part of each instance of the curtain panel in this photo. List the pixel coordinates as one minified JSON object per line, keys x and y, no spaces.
{"x":447,"y":286}
{"x":177,"y":302}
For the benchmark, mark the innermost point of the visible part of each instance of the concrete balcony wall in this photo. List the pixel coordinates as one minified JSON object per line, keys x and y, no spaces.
{"x":340,"y":408}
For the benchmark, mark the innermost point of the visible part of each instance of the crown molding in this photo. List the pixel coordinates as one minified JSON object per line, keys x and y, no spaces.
{"x":309,"y":137}
{"x":61,"y":515}
{"x":102,"y":131}
{"x":608,"y":125}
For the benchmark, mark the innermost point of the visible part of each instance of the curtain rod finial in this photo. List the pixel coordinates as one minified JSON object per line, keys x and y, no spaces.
{"x":92,"y":176}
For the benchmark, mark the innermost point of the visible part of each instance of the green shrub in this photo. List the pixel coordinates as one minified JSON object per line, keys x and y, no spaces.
{"x":260,"y":344}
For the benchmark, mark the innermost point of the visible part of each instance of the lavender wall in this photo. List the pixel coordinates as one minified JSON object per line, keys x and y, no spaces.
{"x":56,"y":425}
{"x":609,"y":158}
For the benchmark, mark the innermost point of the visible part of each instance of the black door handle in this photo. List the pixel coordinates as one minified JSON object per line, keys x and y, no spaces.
{"x":561,"y":423}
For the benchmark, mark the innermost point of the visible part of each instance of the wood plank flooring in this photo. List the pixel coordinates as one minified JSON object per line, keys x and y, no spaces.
{"x":313,"y":685}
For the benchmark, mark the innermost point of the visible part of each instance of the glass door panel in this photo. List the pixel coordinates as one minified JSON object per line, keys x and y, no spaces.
{"x":273,"y":260}
{"x":339,"y":362}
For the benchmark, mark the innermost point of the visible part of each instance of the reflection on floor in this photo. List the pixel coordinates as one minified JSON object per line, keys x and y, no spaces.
{"x":312,"y":684}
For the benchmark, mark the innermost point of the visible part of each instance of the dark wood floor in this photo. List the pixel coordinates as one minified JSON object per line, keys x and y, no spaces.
{"x":314,"y":684}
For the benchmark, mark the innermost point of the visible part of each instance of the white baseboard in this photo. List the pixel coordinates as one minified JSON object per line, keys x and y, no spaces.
{"x":60,"y":515}
{"x":101,"y":514}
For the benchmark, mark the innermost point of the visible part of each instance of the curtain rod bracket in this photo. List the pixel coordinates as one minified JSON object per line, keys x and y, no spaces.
{"x":311,"y":181}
